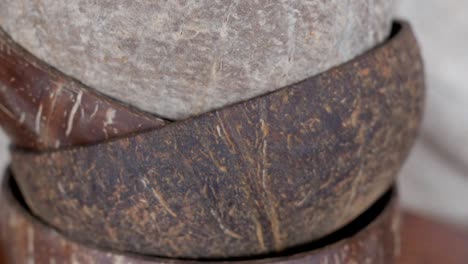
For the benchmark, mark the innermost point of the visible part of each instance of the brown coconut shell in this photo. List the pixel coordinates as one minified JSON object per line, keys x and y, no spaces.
{"x":41,"y":108}
{"x":372,"y":238}
{"x":262,"y":176}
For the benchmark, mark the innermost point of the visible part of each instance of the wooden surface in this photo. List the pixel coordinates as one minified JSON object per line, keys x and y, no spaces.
{"x":426,"y":241}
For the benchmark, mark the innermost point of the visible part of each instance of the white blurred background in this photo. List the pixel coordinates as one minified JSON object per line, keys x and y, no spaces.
{"x":435,"y":178}
{"x":434,"y":181}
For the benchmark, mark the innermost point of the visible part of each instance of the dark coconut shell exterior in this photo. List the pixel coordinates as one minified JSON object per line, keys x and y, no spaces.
{"x":41,"y":108}
{"x":373,"y":238}
{"x":253,"y":178}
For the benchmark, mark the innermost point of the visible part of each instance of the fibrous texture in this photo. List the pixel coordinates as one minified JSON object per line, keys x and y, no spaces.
{"x":258,"y":177}
{"x":182,"y":58}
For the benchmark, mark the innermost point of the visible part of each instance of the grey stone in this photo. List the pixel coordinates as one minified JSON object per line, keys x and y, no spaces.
{"x":181,"y":58}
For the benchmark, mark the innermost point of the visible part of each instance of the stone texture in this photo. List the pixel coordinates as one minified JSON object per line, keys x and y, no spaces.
{"x":373,"y":238}
{"x":182,"y":58}
{"x":258,"y":177}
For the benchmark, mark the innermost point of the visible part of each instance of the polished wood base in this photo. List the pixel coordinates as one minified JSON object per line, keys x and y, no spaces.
{"x":425,"y":241}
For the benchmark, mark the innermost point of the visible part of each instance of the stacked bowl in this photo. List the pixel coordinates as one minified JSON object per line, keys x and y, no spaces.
{"x":252,"y":140}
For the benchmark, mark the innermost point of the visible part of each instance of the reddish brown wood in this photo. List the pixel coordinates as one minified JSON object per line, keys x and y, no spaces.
{"x":425,"y":241}
{"x":289,"y":167}
{"x":41,"y":108}
{"x":373,"y":238}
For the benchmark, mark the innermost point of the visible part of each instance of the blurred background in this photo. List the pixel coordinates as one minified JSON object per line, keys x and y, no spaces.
{"x":434,"y":180}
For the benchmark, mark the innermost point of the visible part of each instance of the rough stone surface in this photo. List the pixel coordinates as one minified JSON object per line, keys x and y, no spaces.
{"x":258,"y":177}
{"x":24,"y":239}
{"x":182,"y":58}
{"x":41,"y":108}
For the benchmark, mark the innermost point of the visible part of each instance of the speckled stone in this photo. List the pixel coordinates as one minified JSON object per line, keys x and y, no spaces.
{"x":254,"y":178}
{"x":373,"y":238}
{"x":182,"y":58}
